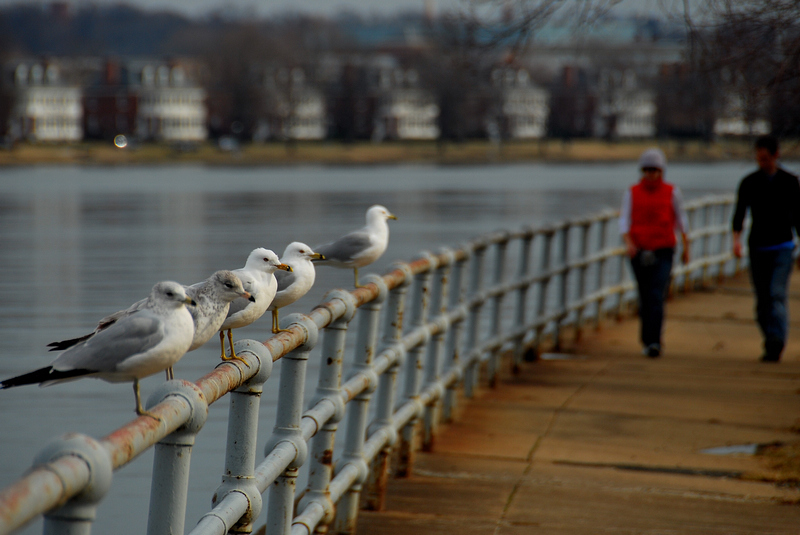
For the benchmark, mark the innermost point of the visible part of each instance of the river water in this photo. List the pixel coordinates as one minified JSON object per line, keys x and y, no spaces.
{"x":78,"y":243}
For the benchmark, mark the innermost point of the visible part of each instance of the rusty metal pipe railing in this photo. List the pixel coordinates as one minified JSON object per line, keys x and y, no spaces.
{"x":443,"y":344}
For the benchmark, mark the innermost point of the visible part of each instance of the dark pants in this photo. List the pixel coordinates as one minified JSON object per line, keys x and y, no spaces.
{"x":652,"y":270}
{"x":769,"y":271}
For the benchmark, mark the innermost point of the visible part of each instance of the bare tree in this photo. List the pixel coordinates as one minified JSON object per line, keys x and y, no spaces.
{"x":754,"y":46}
{"x":514,"y":23}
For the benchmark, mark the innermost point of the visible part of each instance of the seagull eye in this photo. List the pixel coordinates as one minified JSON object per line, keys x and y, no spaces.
{"x":170,"y":294}
{"x":229,"y":285}
{"x":265,"y":259}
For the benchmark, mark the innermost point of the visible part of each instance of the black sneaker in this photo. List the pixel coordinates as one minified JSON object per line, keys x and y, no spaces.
{"x":770,"y":358}
{"x":653,"y":351}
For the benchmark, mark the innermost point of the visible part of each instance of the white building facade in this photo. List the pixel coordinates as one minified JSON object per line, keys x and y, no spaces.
{"x":524,"y":105}
{"x":404,"y":110}
{"x":733,"y":121}
{"x":45,"y":108}
{"x":624,"y":109}
{"x":170,"y":107}
{"x":295,"y":109}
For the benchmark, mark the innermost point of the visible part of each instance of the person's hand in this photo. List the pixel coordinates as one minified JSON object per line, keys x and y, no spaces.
{"x":685,"y":253}
{"x":737,"y":244}
{"x":630,"y":248}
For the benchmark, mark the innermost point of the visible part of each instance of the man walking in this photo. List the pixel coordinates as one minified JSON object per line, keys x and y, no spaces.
{"x":773,"y":197}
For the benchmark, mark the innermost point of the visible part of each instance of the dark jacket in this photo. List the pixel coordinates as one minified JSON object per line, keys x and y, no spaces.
{"x":774,"y":205}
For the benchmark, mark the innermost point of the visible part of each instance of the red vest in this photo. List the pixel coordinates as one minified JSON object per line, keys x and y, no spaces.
{"x":652,"y":216}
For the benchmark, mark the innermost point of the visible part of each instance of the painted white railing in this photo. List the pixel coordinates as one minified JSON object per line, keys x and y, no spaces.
{"x":437,"y":338}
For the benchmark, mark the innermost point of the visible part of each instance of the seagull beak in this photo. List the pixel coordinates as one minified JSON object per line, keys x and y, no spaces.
{"x":316,"y":256}
{"x":285,"y":267}
{"x":392,"y":216}
{"x":249,"y":297}
{"x":190,"y":301}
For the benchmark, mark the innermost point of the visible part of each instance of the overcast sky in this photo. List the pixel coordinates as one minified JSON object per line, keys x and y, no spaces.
{"x":326,"y":7}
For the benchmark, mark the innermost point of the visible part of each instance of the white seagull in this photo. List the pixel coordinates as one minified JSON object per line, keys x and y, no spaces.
{"x":212,"y":298}
{"x":296,"y":283}
{"x":258,"y":277}
{"x":131,"y":348}
{"x":361,"y":247}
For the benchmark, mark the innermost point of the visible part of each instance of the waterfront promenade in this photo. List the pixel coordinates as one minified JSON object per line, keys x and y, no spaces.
{"x":600,"y":439}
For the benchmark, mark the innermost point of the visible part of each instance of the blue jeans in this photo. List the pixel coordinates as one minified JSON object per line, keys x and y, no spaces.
{"x":769,"y":271}
{"x":652,"y":270}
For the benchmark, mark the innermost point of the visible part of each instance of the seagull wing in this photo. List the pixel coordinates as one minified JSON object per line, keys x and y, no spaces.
{"x":103,"y":352}
{"x":285,"y":279}
{"x":347,"y":248}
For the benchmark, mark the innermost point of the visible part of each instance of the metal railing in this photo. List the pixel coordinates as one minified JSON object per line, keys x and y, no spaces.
{"x":454,"y":324}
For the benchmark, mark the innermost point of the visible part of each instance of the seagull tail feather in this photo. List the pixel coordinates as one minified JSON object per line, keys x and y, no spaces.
{"x":42,"y":375}
{"x":66,"y":344}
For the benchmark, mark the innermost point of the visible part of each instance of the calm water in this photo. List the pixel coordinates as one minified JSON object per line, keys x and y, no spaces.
{"x":79,"y":243}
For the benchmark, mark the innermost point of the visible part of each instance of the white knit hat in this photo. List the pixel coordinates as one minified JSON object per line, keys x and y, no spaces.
{"x":653,"y":158}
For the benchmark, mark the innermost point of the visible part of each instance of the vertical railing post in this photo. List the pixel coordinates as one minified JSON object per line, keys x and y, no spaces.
{"x":280,"y":508}
{"x":691,"y":216}
{"x":240,"y":451}
{"x":523,"y":271}
{"x":497,"y":307}
{"x":435,"y":352}
{"x":585,"y":227}
{"x":544,"y":284}
{"x":601,"y":269}
{"x":725,"y":237}
{"x":706,"y":244}
{"x":414,"y":363}
{"x":454,"y":342}
{"x":170,"y":483}
{"x":77,"y":515}
{"x":375,"y":488}
{"x":357,"y":411}
{"x":623,"y":259}
{"x":719,"y":238}
{"x":564,"y":280}
{"x":334,"y":337}
{"x":473,"y":327}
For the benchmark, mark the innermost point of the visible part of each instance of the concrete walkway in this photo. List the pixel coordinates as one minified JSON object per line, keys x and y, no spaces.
{"x":609,"y":441}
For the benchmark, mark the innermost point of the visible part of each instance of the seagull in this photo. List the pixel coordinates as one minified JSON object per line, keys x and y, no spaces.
{"x":212,"y":298}
{"x":258,"y":278}
{"x":361,"y":247}
{"x":296,"y":283}
{"x":131,"y":348}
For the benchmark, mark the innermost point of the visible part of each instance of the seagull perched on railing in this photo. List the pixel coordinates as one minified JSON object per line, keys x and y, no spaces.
{"x":297,"y":282}
{"x":258,"y":277}
{"x":131,"y":348}
{"x":361,"y":247}
{"x":212,"y":299}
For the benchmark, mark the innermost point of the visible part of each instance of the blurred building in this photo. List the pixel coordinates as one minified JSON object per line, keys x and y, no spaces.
{"x":523,"y":105}
{"x":294,"y":107}
{"x":404,"y":109}
{"x":573,"y":103}
{"x":684,"y":102}
{"x":171,"y":106}
{"x":738,"y":117}
{"x":149,"y":100}
{"x":43,"y":105}
{"x":378,"y":97}
{"x":110,"y":106}
{"x":624,"y":108}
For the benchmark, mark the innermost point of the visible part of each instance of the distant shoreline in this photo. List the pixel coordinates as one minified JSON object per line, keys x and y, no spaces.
{"x":332,"y":153}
